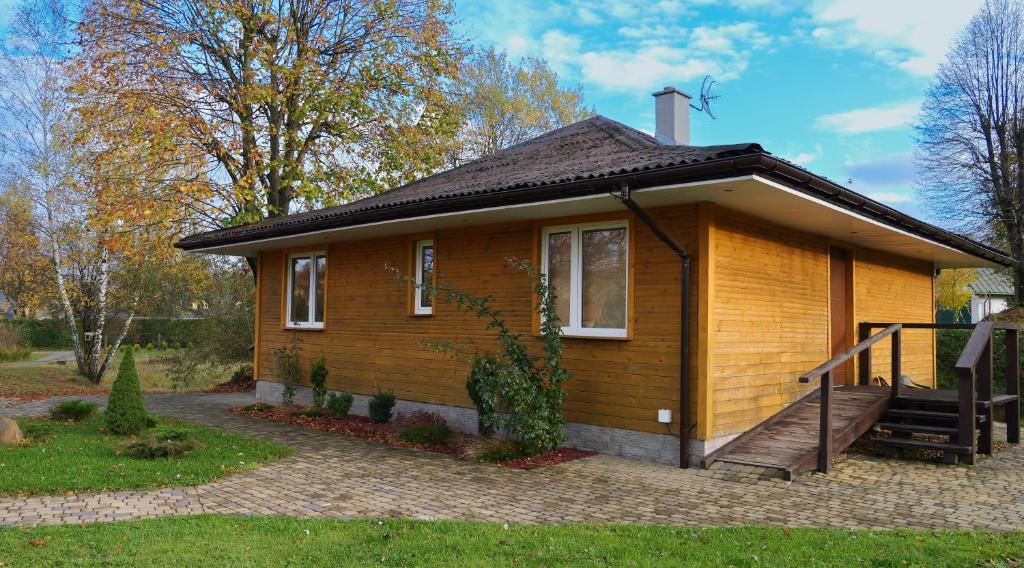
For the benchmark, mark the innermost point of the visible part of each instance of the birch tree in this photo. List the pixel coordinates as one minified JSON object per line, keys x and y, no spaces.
{"x":94,"y":195}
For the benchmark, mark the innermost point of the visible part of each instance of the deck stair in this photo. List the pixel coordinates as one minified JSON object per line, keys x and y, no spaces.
{"x":923,"y":424}
{"x":957,"y":424}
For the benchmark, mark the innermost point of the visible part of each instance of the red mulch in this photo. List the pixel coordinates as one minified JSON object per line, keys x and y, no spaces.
{"x":245,"y":384}
{"x":358,"y":426}
{"x":390,"y":433}
{"x":561,"y":455}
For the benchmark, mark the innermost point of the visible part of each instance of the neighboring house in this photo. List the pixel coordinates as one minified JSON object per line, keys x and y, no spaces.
{"x":784,"y":264}
{"x":992,"y":293}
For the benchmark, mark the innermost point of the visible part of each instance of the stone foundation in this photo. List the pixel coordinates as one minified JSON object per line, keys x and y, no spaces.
{"x":662,"y":448}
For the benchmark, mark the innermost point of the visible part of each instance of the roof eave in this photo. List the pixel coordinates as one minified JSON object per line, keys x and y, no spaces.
{"x":763,"y":164}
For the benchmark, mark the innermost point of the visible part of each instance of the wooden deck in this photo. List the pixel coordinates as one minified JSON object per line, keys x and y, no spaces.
{"x":788,"y":441}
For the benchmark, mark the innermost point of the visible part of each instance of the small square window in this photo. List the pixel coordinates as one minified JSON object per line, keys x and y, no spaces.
{"x":423,"y":302}
{"x":306,"y":277}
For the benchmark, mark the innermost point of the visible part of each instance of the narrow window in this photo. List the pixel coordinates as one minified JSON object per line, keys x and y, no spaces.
{"x":424,"y":302}
{"x":306,"y":278}
{"x":587,"y":269}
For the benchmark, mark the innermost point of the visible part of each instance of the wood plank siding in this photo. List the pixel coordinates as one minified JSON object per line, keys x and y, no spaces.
{"x":370,"y":340}
{"x":759,"y":305}
{"x":770,"y":317}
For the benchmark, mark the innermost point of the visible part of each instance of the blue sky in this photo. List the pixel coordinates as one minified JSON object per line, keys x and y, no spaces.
{"x":831,"y":84}
{"x":834,"y":85}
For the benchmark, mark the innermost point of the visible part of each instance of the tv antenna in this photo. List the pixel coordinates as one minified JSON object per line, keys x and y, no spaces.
{"x":706,"y":97}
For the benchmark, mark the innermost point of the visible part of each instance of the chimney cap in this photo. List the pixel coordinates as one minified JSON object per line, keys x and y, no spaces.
{"x":668,"y":90}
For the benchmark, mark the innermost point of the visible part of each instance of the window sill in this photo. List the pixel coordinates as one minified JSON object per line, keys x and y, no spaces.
{"x":600,"y":337}
{"x":421,"y":315}
{"x":304,"y":328}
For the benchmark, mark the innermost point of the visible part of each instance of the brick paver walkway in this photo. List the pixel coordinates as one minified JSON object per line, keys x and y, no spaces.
{"x":335,"y":476}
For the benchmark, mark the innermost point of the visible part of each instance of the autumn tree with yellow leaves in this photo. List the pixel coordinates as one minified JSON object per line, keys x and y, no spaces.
{"x":289,"y":104}
{"x":102,"y":179}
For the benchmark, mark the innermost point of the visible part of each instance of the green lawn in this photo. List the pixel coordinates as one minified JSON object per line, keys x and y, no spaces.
{"x":276,"y":541}
{"x":50,"y":379}
{"x":79,"y":457}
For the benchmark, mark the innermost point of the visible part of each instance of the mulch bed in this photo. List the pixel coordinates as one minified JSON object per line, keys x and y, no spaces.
{"x":391,"y":433}
{"x":244,"y":384}
{"x":561,"y":455}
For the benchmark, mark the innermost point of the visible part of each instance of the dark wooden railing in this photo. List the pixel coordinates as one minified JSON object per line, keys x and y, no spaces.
{"x":974,"y":371}
{"x":824,"y":371}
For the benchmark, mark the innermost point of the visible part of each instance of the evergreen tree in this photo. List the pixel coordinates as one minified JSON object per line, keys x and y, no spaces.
{"x":126,"y":413}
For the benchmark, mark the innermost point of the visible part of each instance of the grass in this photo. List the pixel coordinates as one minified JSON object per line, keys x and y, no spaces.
{"x":275,"y":541}
{"x":50,"y":379}
{"x":80,"y":457}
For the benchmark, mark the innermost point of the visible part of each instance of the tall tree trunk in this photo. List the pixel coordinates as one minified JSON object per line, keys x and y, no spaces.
{"x":1017,"y":251}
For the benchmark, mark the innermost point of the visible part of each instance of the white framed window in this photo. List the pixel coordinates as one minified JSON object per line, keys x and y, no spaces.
{"x":423,"y":303}
{"x":307,"y":273}
{"x":587,"y":267}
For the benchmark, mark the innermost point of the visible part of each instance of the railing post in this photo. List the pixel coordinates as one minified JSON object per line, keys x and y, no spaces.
{"x":896,"y":372}
{"x":1013,"y":385}
{"x":966,"y":412}
{"x":825,"y":426}
{"x":864,"y":359}
{"x":984,"y":381}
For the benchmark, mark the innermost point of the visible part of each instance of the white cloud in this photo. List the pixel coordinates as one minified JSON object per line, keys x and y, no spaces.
{"x":913,"y":35}
{"x":869,"y":119}
{"x":891,"y":197}
{"x":663,"y":54}
{"x":805,"y":158}
{"x":588,"y":16}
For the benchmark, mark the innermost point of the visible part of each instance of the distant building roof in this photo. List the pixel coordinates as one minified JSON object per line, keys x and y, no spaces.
{"x":991,"y":283}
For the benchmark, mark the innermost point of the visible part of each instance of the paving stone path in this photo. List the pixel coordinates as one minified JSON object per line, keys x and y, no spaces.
{"x":335,"y":476}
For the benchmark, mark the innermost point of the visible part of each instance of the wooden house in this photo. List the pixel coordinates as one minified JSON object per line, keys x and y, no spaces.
{"x":748,"y":269}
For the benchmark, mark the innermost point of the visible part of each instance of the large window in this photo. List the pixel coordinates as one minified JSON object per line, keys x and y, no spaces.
{"x":587,"y":267}
{"x":306,"y":276}
{"x":424,"y":304}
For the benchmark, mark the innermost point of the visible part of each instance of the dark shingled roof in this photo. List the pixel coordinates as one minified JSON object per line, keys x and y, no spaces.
{"x":595,"y":148}
{"x":592,"y":156}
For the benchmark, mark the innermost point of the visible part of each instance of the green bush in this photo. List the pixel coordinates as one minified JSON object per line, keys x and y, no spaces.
{"x":44,"y":333}
{"x":150,"y":448}
{"x":170,"y":434}
{"x":433,"y":434}
{"x":514,"y":391}
{"x":289,"y":370}
{"x":318,"y":382}
{"x":381,"y":405}
{"x":258,"y":407}
{"x":949,"y":343}
{"x":313,"y":412}
{"x":338,"y":404}
{"x":126,"y":413}
{"x":244,"y":372}
{"x":73,"y":410}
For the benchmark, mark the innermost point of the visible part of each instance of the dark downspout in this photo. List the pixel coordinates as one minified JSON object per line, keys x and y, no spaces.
{"x":684,"y":323}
